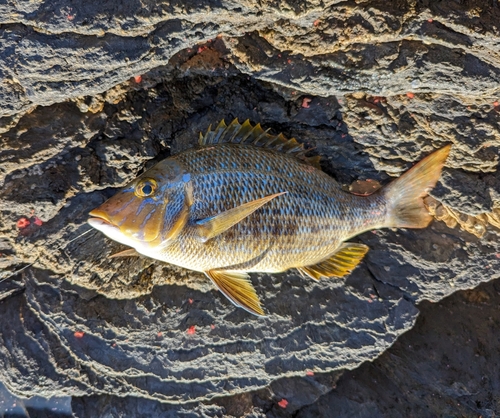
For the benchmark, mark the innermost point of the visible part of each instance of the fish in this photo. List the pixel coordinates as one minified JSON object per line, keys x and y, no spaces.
{"x":244,"y":200}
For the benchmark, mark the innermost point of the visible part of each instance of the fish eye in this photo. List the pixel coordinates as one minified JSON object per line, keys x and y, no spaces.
{"x":145,"y":188}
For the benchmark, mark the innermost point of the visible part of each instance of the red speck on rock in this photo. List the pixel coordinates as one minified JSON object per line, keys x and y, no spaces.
{"x":309,"y":373}
{"x":191,"y":330}
{"x":79,"y":334}
{"x":316,"y":22}
{"x":283,"y":403}
{"x":37,"y":221}
{"x":22,"y":222}
{"x":190,"y":301}
{"x":430,"y":20}
{"x":410,"y":95}
{"x":305,"y":102}
{"x":138,"y":78}
{"x":212,"y":326}
{"x":379,"y":99}
{"x":160,"y":334}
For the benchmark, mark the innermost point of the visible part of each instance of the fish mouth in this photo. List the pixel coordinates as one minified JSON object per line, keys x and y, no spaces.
{"x":101,"y":222}
{"x":97,"y":222}
{"x":99,"y":218}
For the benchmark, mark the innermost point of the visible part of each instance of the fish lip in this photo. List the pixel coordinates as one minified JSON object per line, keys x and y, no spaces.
{"x":99,"y":215}
{"x":96,"y":222}
{"x":111,"y":231}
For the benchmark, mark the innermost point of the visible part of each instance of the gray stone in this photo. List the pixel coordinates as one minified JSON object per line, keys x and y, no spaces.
{"x":372,"y":88}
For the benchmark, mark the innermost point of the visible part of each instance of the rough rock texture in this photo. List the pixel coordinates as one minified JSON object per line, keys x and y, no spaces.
{"x":93,"y":94}
{"x":447,"y":365}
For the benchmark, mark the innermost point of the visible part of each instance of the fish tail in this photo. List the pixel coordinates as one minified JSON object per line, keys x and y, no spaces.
{"x":405,"y":205}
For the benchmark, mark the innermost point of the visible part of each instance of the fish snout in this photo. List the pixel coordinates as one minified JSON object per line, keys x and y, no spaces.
{"x":101,"y":215}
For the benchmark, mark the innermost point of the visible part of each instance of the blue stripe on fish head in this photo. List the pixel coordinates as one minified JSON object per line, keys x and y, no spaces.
{"x":147,"y":208}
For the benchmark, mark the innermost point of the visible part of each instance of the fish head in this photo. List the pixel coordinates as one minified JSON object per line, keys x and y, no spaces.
{"x":142,"y":213}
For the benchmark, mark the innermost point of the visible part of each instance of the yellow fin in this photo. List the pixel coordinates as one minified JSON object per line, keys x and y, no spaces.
{"x":405,"y":206}
{"x":130,"y":252}
{"x":215,"y":225}
{"x":342,"y":262}
{"x":238,"y":289}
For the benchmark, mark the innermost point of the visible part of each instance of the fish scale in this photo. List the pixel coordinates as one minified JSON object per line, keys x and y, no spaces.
{"x":247,"y":201}
{"x":299,"y":228}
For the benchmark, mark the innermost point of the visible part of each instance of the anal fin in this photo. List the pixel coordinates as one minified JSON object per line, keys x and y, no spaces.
{"x":340,"y":263}
{"x":238,"y":289}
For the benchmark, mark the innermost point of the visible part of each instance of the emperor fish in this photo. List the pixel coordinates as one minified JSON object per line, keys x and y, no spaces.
{"x":247,"y":201}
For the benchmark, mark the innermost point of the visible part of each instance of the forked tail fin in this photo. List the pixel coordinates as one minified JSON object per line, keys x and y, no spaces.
{"x":405,"y":205}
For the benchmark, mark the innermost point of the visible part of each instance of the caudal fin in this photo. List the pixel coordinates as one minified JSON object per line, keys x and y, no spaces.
{"x":405,"y":206}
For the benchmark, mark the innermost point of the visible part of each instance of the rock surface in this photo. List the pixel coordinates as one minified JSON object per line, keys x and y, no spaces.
{"x":94,"y":94}
{"x":447,"y":365}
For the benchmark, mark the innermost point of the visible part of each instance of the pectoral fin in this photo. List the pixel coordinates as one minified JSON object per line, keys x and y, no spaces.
{"x":238,"y":289}
{"x":342,"y":262}
{"x":215,"y":225}
{"x":130,"y":252}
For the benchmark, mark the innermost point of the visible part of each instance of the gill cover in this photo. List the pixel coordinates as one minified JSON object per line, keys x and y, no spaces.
{"x":152,"y":208}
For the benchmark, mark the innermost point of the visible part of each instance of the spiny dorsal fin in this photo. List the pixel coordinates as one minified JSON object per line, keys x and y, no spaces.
{"x":249,"y":134}
{"x":342,"y":262}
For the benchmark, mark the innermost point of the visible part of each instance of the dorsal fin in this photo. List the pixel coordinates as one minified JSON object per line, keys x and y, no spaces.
{"x":249,"y":134}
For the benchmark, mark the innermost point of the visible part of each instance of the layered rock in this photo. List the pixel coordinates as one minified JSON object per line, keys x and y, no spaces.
{"x":93,"y":94}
